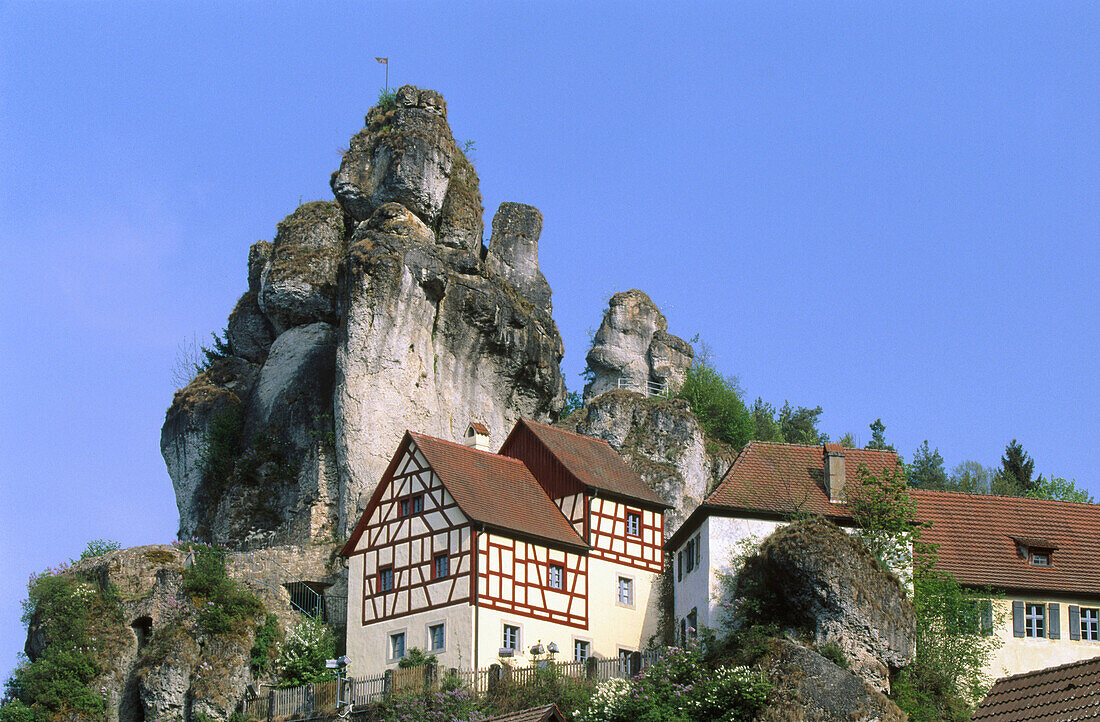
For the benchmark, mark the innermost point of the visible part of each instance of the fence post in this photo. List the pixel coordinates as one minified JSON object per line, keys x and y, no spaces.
{"x":635,"y":663}
{"x":430,"y":675}
{"x":270,"y":705}
{"x":591,"y":669}
{"x":387,"y":685}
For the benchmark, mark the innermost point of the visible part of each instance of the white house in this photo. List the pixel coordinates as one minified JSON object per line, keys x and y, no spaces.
{"x":474,"y":556}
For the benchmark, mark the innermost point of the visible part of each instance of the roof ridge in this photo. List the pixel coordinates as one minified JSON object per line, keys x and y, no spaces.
{"x":979,"y":495}
{"x":1048,"y":670}
{"x":565,"y":431}
{"x":495,"y":455}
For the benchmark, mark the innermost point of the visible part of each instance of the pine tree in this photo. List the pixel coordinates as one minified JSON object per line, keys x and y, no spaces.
{"x":1014,"y":477}
{"x":878,"y":436}
{"x":927,"y":470}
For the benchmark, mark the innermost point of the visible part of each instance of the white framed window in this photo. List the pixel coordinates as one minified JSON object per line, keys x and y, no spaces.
{"x":1039,"y":559}
{"x":626,"y":592}
{"x":582,"y":650}
{"x":510,"y":637}
{"x":1034,"y":620}
{"x":437,"y":637}
{"x":397,"y":645}
{"x":555,"y":576}
{"x":633,"y":523}
{"x":1090,"y":624}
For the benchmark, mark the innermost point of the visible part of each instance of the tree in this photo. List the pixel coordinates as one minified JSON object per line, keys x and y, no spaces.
{"x":1059,"y":489}
{"x":1014,"y":477}
{"x":764,"y":424}
{"x":878,"y":436}
{"x":573,"y":402}
{"x":848,"y":441}
{"x":970,"y":477}
{"x":716,"y":401}
{"x":927,"y":470}
{"x":799,"y":425}
{"x":886,"y":516}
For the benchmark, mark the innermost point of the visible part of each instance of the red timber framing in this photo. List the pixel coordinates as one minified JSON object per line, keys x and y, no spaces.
{"x":408,"y":544}
{"x":610,"y":540}
{"x":512,"y":576}
{"x":560,"y":485}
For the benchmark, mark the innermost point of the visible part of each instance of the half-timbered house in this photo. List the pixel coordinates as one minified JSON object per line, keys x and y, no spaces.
{"x":473,"y":556}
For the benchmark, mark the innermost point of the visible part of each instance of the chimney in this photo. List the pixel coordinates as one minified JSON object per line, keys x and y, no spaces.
{"x":477,"y":436}
{"x":834,"y":473}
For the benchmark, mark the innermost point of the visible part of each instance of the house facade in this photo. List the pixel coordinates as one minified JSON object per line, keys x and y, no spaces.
{"x":1041,"y":559}
{"x":767,"y":484}
{"x":475,"y":556}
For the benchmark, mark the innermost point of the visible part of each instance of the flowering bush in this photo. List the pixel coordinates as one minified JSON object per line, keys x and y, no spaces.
{"x":452,"y":705}
{"x":681,"y":687}
{"x":303,"y":654}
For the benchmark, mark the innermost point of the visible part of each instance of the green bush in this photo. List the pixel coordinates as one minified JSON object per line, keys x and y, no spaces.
{"x":267,"y":639}
{"x":716,"y":401}
{"x":303,"y":654}
{"x":99,"y":547}
{"x":222,"y":605}
{"x":546,"y":686}
{"x":450,"y":704}
{"x":416,"y":658}
{"x":387,"y":98}
{"x":831,"y":651}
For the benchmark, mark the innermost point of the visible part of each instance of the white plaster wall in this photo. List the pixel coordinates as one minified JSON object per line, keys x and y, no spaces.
{"x":369,"y":645}
{"x":1025,"y":654}
{"x":490,"y":626}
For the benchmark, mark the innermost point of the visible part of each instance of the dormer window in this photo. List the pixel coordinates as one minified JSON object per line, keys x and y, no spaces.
{"x":1038,"y":552}
{"x":1039,"y":559}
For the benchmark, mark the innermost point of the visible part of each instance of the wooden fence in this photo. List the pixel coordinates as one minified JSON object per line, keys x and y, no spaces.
{"x":309,"y":699}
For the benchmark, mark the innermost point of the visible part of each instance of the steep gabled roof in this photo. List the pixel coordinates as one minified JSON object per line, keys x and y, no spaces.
{"x":591,"y":461}
{"x":493,"y":490}
{"x":773,"y":479}
{"x":1056,"y":694}
{"x":979,"y":536}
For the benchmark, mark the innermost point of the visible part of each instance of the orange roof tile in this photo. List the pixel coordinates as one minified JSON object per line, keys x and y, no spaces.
{"x":1057,"y":694}
{"x":780,"y":479}
{"x":593,"y":462}
{"x":496,"y":490}
{"x":977,"y":537}
{"x":546,"y":713}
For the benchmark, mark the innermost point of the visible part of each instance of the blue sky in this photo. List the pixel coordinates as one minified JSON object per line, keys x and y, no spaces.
{"x":885,"y":209}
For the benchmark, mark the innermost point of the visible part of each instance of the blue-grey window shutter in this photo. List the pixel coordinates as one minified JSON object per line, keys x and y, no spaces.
{"x":1055,"y":621}
{"x":680,"y":565}
{"x":1074,"y":622}
{"x":1017,"y":619}
{"x":987,"y":617}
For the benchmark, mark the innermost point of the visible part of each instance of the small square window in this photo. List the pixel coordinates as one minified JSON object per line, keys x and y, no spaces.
{"x":1035,"y":620}
{"x":633,"y":523}
{"x":581,"y":649}
{"x":510,"y":638}
{"x":556,"y":577}
{"x":385,"y":579}
{"x":626,"y":591}
{"x":441,"y":566}
{"x":1090,"y":624}
{"x":436,"y":637}
{"x":397,"y":645}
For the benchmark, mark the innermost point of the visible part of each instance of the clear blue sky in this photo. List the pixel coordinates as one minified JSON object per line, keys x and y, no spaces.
{"x":887,"y":209}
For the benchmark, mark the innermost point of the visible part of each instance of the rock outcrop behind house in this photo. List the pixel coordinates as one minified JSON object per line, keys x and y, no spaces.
{"x":367,"y":315}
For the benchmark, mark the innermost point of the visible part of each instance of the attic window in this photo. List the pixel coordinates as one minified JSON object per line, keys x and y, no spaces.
{"x":1039,"y":559}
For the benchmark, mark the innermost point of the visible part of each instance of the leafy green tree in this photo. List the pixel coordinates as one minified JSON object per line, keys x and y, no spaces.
{"x":716,"y":401}
{"x":573,"y":402}
{"x":1015,"y":475}
{"x":886,"y":517}
{"x":799,"y":425}
{"x":99,"y":547}
{"x":764,"y":424}
{"x":848,"y":441}
{"x":1059,"y":489}
{"x":878,"y":436}
{"x":970,"y":477}
{"x":927,"y":470}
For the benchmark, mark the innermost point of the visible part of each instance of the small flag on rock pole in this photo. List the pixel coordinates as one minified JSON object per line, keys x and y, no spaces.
{"x":386,"y":62}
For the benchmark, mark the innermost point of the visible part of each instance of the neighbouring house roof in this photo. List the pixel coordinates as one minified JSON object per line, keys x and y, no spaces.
{"x":592,"y":462}
{"x":546,"y":713}
{"x":775,"y":480}
{"x":979,"y":538}
{"x":490,"y":489}
{"x":1057,"y":694}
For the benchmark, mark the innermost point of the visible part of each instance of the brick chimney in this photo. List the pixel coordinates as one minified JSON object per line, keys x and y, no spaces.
{"x":477,"y":436}
{"x":834,"y":473}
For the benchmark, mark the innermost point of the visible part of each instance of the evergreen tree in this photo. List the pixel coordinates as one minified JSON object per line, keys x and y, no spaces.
{"x":927,"y":470}
{"x":878,"y":436}
{"x":799,"y":425}
{"x":765,"y":427}
{"x":1014,"y":477}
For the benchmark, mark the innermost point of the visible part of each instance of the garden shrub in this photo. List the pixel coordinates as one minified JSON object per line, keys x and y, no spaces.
{"x":415,"y":657}
{"x":222,"y":604}
{"x":303,"y":654}
{"x":443,"y":706}
{"x":546,"y":686}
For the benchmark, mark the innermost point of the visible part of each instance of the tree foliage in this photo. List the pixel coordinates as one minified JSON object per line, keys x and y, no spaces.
{"x":1059,"y":489}
{"x":886,"y":517}
{"x":878,"y":436}
{"x":716,"y":402}
{"x":790,"y":425}
{"x":927,"y":470}
{"x":1015,"y":475}
{"x":971,"y":477}
{"x":303,"y":654}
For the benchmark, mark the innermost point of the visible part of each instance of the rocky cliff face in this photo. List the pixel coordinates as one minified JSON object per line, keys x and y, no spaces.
{"x":367,"y":315}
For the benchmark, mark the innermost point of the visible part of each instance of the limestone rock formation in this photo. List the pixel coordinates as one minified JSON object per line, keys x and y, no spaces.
{"x":367,"y":315}
{"x":633,"y":348}
{"x":810,"y":687}
{"x":823,"y":584}
{"x":662,"y":441}
{"x":162,"y":668}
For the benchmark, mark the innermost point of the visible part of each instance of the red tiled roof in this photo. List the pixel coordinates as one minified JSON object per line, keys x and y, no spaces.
{"x":1057,"y":694}
{"x":977,"y":537}
{"x":480,"y":428}
{"x":780,"y":479}
{"x":593,"y":462}
{"x":546,"y":713}
{"x":496,"y":490}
